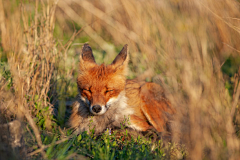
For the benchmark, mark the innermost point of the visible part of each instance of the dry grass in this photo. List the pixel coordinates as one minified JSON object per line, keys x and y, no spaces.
{"x":180,"y":44}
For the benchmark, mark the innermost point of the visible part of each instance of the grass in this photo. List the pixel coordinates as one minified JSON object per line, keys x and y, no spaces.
{"x":108,"y":147}
{"x":191,"y":48}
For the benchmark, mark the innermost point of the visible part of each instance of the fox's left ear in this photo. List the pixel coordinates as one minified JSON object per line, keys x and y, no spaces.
{"x":121,"y":61}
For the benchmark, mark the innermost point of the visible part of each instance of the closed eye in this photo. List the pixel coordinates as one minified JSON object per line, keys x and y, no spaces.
{"x":88,"y":90}
{"x":110,"y":90}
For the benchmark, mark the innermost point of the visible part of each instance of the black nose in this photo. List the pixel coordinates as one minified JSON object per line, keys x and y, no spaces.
{"x":96,"y":108}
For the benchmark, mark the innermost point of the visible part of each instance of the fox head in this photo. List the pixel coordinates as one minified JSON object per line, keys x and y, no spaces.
{"x":100,"y":86}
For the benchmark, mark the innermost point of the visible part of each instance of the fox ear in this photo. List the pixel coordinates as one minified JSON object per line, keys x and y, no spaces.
{"x":122,"y":58}
{"x":87,"y":54}
{"x":86,"y":57}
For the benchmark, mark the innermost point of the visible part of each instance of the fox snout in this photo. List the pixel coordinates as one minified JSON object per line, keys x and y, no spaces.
{"x":98,"y":110}
{"x":97,"y":104}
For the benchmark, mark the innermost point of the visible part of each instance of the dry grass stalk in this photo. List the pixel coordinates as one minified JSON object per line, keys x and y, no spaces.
{"x":236,"y":92}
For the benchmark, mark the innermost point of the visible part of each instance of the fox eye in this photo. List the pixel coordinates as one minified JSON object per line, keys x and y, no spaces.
{"x":109,"y":90}
{"x":88,"y":90}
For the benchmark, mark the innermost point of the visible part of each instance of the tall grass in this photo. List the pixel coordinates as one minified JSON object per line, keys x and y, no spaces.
{"x":182,"y":45}
{"x":30,"y":49}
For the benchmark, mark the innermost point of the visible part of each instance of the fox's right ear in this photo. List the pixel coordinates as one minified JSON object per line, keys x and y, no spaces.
{"x":86,"y":57}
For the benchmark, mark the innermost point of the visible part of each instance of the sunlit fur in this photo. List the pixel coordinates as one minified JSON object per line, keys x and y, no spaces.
{"x":143,"y":104}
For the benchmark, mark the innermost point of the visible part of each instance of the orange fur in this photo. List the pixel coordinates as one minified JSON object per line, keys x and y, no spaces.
{"x":106,"y":97}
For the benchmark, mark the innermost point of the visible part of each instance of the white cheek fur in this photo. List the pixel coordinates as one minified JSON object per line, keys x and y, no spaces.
{"x":111,"y":101}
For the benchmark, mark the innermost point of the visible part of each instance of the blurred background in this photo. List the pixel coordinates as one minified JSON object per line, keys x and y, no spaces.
{"x":190,"y":47}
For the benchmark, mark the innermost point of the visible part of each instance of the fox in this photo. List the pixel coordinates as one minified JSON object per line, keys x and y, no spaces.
{"x":107,"y":98}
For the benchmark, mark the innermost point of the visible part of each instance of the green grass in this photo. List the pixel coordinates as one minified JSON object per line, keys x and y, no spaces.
{"x":107,"y":147}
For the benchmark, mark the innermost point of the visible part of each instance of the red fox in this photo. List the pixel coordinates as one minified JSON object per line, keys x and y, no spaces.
{"x":106,"y":98}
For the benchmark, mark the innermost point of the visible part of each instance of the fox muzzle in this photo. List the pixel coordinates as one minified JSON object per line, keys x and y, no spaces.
{"x":98,"y":110}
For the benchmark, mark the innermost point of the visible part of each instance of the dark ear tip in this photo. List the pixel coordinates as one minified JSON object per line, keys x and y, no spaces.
{"x":125,"y":46}
{"x":87,"y":53}
{"x":86,"y":47}
{"x":124,"y":49}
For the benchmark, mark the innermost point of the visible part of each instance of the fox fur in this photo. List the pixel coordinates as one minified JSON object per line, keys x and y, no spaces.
{"x":107,"y":99}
